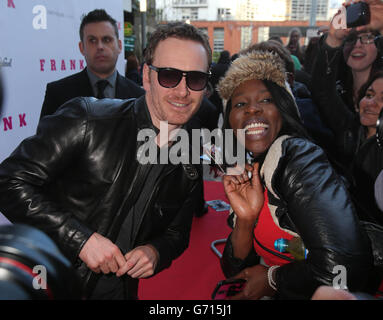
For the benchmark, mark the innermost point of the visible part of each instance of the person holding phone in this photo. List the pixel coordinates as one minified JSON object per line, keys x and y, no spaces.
{"x":357,"y":52}
{"x":345,"y":61}
{"x":351,"y":51}
{"x":288,"y":190}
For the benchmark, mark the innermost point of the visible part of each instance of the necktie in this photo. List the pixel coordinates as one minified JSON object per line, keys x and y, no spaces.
{"x":101,"y":85}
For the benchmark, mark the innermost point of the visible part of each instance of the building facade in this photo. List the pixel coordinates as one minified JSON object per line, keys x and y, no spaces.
{"x":243,"y":10}
{"x":237,"y":35}
{"x":234,"y":24}
{"x":301,"y":9}
{"x":193,"y":10}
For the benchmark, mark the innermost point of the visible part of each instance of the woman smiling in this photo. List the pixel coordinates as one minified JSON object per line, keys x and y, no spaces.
{"x":371,"y":103}
{"x":368,"y":155}
{"x":346,"y":60}
{"x":295,"y":194}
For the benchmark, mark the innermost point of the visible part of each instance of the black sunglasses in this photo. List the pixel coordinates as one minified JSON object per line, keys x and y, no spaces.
{"x":170,"y":78}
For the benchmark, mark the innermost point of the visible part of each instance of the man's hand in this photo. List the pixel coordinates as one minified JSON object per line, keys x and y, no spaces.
{"x":101,"y":254}
{"x":140,"y":262}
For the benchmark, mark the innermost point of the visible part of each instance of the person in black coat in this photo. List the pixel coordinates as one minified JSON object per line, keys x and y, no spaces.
{"x":78,"y":85}
{"x":116,"y":218}
{"x":293,"y":193}
{"x":100,"y":47}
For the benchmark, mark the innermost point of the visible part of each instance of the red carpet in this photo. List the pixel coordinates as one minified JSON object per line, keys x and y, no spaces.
{"x":194,"y":275}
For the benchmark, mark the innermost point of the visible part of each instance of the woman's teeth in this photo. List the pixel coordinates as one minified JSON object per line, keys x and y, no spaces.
{"x":357,"y":55}
{"x":255,"y":128}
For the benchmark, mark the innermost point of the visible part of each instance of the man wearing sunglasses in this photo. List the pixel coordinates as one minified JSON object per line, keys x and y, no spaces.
{"x":175,"y":76}
{"x":80,"y":180}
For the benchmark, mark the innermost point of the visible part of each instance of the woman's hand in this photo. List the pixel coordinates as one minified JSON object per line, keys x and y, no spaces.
{"x":257,"y":285}
{"x":337,"y":30}
{"x":245,"y":194}
{"x":376,"y":15}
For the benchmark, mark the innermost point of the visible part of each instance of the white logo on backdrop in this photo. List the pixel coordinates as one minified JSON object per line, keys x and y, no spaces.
{"x":40,"y":20}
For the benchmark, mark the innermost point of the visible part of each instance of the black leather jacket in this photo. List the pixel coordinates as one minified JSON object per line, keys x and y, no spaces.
{"x":312,"y":201}
{"x":77,"y":175}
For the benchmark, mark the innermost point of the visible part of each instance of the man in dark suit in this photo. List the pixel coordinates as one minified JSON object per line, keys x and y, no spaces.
{"x":100,"y":47}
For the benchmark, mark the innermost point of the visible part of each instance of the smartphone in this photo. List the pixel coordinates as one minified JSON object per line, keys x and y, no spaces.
{"x":357,"y":14}
{"x":228,"y":288}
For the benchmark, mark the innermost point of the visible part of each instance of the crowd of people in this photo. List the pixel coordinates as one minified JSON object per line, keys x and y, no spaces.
{"x":313,"y":159}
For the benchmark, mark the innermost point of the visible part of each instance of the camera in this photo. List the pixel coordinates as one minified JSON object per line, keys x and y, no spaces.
{"x":33,"y":268}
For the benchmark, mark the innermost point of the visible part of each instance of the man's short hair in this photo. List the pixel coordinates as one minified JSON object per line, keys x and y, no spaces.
{"x":97,"y":15}
{"x":177,"y":30}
